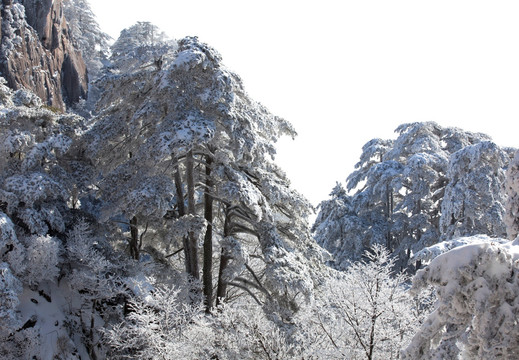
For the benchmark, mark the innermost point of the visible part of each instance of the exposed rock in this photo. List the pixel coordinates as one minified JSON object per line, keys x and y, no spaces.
{"x":37,"y":53}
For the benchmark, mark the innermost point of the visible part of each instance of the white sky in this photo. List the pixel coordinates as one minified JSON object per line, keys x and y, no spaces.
{"x":344,"y":72}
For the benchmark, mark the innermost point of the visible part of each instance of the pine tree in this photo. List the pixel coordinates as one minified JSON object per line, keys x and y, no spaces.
{"x":401,"y":186}
{"x":194,"y":152}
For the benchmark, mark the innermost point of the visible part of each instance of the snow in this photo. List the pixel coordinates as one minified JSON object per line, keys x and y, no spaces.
{"x":445,"y":267}
{"x":188,"y":59}
{"x":142,"y":286}
{"x":48,"y":307}
{"x":429,"y":253}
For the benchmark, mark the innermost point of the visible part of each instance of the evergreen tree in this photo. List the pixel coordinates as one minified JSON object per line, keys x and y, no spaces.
{"x":189,"y":138}
{"x":474,"y":199}
{"x":401,"y":186}
{"x":87,"y":35}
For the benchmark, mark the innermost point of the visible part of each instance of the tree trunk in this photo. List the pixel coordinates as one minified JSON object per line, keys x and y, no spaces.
{"x":191,"y":210}
{"x":181,"y":212}
{"x":389,"y":216}
{"x":91,"y":342}
{"x":221,"y":290}
{"x":374,"y":317}
{"x":134,"y":239}
{"x":208,"y":240}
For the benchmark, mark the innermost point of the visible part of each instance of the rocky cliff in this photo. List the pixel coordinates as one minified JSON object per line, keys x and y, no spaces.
{"x":37,"y":53}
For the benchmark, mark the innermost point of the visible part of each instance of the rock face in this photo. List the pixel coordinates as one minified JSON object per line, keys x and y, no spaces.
{"x":37,"y":52}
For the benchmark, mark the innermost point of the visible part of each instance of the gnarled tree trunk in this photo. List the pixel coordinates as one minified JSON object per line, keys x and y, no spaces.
{"x":207,"y":276}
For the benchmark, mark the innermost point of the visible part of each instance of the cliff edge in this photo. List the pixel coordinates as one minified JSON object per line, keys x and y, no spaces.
{"x":36,"y":52}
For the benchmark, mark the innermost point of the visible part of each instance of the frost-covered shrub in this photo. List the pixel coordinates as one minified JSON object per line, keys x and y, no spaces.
{"x":27,"y":98}
{"x":157,"y":328}
{"x":93,"y":273}
{"x":5,"y":93}
{"x":43,"y":258}
{"x":478,"y":304}
{"x":36,"y":178}
{"x":363,"y":313}
{"x":243,"y":331}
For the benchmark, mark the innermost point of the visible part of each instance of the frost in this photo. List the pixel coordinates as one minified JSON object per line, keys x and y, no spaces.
{"x":188,"y":59}
{"x":15,"y":141}
{"x":151,"y":334}
{"x":47,"y":150}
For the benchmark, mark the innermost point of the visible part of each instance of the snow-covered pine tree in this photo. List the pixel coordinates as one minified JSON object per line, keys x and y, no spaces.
{"x":474,"y":199}
{"x":141,"y":45}
{"x":87,"y":35}
{"x":36,"y":168}
{"x":337,"y":224}
{"x":476,"y":282}
{"x":400,"y":188}
{"x":189,"y":127}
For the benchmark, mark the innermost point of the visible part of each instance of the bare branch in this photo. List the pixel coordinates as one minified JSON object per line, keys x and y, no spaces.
{"x":173,"y":254}
{"x":245,"y":289}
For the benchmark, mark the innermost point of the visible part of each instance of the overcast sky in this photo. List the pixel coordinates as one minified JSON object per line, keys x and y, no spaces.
{"x":344,"y":72}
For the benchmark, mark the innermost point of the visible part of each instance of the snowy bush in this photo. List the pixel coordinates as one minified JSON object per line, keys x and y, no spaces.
{"x":478,"y":304}
{"x":27,"y":98}
{"x":5,"y":93}
{"x":156,"y":328}
{"x":365,"y":312}
{"x":244,"y":331}
{"x":43,"y":258}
